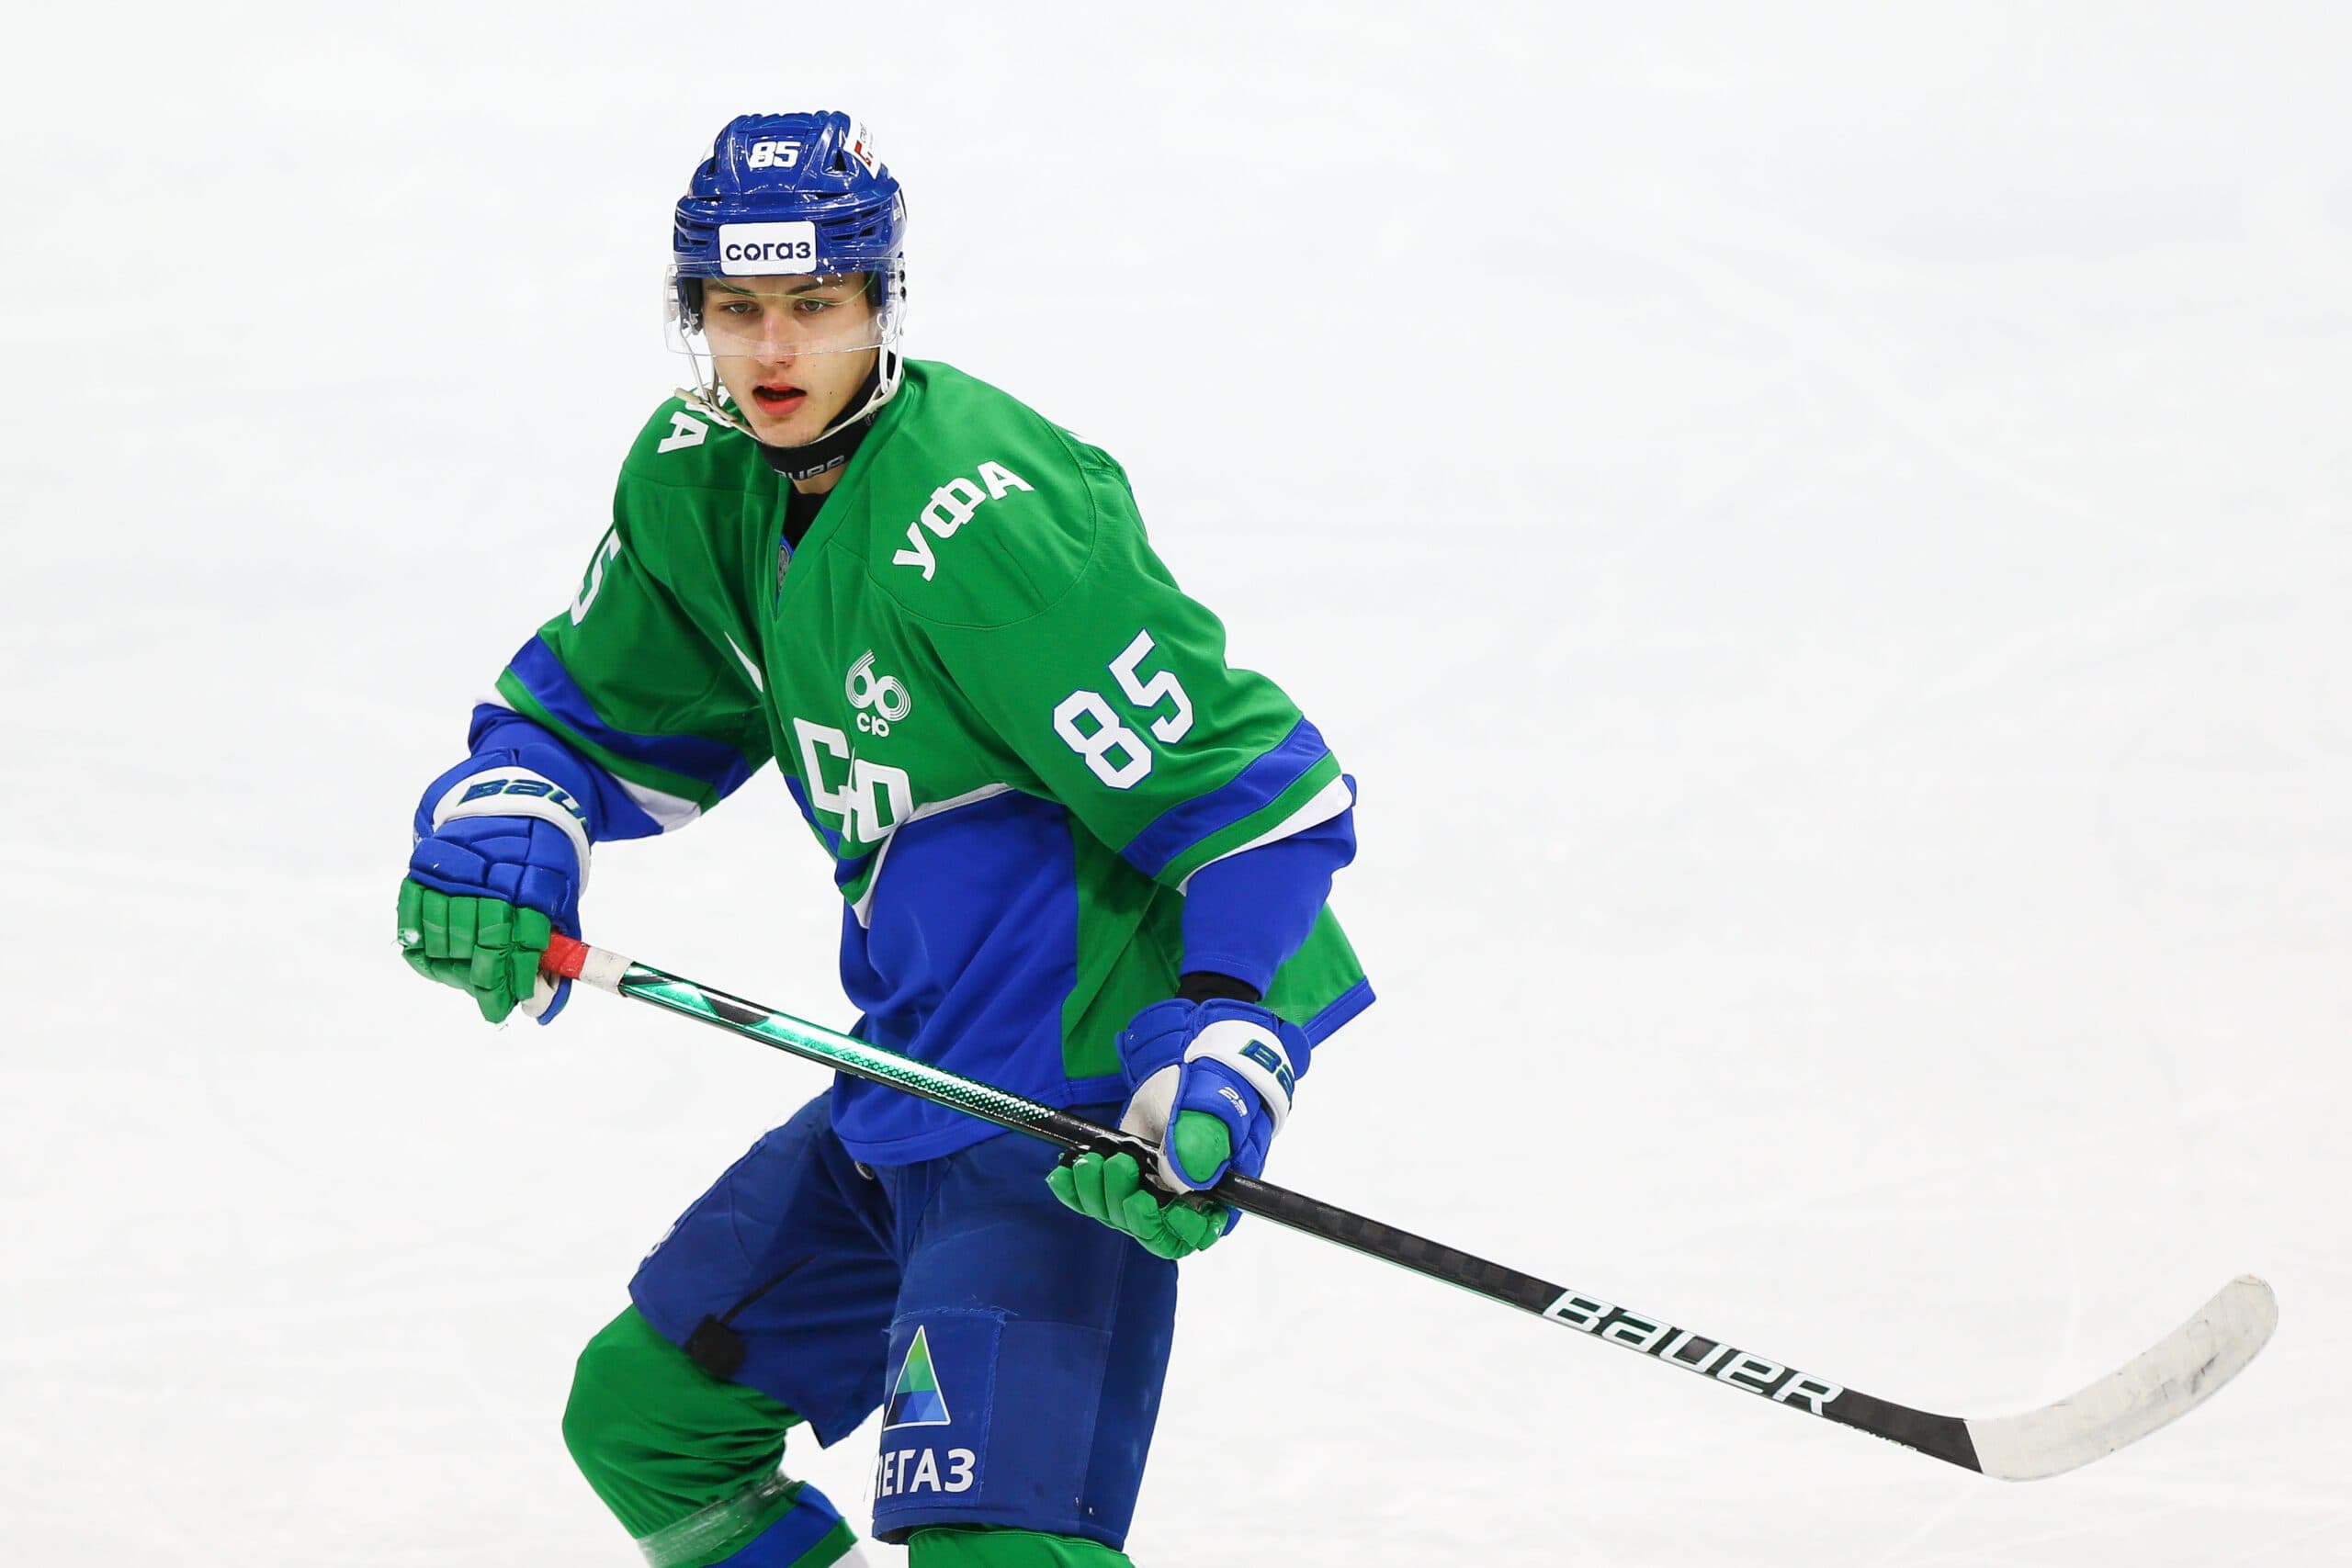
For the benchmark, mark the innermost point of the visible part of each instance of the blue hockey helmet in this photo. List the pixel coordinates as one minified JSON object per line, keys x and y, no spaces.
{"x":793,"y":195}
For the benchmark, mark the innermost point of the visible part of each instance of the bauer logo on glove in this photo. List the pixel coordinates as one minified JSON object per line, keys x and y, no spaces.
{"x":1233,"y":1064}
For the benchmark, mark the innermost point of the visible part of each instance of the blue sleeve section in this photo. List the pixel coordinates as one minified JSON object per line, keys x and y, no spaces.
{"x":719,"y":765}
{"x":1344,"y":1006}
{"x":1245,"y":914}
{"x":1186,"y":823}
{"x":500,"y":734}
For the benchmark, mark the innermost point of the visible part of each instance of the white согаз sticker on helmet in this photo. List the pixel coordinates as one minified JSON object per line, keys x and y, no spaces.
{"x":760,"y":250}
{"x":861,"y":147}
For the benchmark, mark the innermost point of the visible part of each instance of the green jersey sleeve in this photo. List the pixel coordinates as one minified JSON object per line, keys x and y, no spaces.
{"x":1110,"y":686}
{"x":645,"y":674}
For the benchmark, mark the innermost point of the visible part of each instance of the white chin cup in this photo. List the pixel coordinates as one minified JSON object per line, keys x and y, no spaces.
{"x":710,"y":399}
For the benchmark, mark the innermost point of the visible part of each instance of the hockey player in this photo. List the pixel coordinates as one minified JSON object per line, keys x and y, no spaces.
{"x":1081,"y":858}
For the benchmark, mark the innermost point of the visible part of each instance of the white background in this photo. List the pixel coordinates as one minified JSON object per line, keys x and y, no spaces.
{"x":1821,"y":530}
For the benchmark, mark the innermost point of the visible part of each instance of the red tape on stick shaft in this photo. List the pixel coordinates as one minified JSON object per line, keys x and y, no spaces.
{"x":565,"y":957}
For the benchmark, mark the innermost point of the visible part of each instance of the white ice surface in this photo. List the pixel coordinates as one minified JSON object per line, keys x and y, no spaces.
{"x":1822,"y":531}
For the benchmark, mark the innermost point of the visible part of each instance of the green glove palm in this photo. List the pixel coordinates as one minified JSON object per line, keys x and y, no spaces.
{"x":486,"y":947}
{"x":1112,"y":1191}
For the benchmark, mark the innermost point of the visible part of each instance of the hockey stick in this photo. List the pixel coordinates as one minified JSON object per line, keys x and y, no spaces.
{"x":2173,"y":1376}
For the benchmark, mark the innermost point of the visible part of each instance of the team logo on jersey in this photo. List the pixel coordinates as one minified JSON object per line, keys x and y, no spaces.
{"x":884,"y":696}
{"x":915,"y":1398}
{"x":951,"y":506}
{"x":871,"y":802}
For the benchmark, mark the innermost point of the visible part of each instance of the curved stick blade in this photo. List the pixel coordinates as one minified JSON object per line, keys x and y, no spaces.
{"x":2168,"y":1379}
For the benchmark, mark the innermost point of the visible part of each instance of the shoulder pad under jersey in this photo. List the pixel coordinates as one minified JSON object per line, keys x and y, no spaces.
{"x":982,"y":511}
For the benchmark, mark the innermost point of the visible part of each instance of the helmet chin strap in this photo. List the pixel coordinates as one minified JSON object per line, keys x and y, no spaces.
{"x":829,"y":450}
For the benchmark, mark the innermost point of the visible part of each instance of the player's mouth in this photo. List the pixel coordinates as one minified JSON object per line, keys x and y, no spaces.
{"x":777,"y":400}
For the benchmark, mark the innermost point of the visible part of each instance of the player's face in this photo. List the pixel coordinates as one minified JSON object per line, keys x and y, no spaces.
{"x":781,"y":348}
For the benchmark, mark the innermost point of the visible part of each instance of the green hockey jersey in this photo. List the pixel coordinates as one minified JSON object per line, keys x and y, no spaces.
{"x":1015,"y":738}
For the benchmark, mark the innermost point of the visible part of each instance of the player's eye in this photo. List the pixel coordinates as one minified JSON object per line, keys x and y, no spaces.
{"x":809,"y":305}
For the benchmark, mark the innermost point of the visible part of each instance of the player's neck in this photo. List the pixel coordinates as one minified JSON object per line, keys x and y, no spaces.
{"x":818,"y":484}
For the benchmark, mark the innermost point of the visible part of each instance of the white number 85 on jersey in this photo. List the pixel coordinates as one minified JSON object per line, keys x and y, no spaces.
{"x":1109,"y":736}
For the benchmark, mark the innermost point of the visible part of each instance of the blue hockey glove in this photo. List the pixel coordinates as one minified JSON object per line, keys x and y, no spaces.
{"x":501,"y":857}
{"x":1209,"y":1085}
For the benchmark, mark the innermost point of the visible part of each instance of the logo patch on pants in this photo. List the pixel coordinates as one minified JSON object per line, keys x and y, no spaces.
{"x":905,"y":1471}
{"x":937,"y":1415}
{"x":915,"y":1398}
